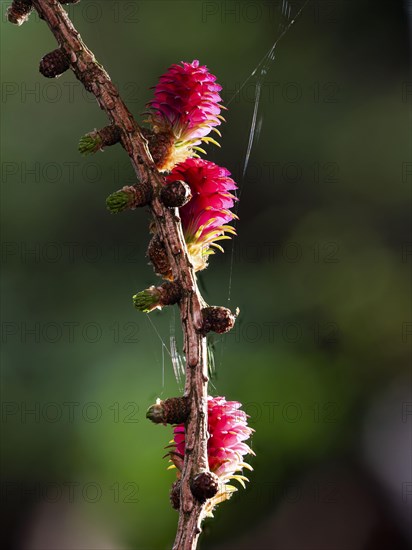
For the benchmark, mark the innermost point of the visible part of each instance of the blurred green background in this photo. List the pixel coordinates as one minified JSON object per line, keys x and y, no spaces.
{"x":320,"y":356}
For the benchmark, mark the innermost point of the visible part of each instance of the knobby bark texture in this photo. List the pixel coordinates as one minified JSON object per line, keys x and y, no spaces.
{"x":96,"y":80}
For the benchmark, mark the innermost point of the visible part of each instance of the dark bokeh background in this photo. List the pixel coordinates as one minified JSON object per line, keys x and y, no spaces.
{"x":320,"y":356}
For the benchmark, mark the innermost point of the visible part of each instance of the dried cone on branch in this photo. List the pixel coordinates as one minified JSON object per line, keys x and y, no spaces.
{"x":226,"y":448}
{"x":217,"y":319}
{"x":204,"y":486}
{"x":185,"y":109}
{"x":176,"y":194}
{"x":19,"y":11}
{"x":54,"y":64}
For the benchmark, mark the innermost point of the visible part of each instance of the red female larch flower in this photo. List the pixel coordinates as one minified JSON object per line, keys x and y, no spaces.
{"x":226,"y":447}
{"x":206,"y":215}
{"x":185,"y":109}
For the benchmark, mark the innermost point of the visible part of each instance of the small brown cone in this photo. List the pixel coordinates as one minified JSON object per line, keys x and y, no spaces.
{"x":54,"y":64}
{"x":217,"y":319}
{"x":19,"y":11}
{"x":204,"y":486}
{"x":175,"y":194}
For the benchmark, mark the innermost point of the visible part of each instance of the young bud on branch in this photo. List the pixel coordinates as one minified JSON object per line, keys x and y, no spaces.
{"x":129,"y":198}
{"x":204,"y":486}
{"x":19,"y":11}
{"x":167,"y":294}
{"x":98,"y":139}
{"x":174,"y":494}
{"x":54,"y":64}
{"x":157,"y":255}
{"x":217,"y":319}
{"x":175,"y":194}
{"x":174,"y":410}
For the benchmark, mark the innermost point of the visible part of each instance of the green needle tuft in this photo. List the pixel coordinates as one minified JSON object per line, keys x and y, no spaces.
{"x":147,"y":300}
{"x":118,"y":201}
{"x":90,"y":144}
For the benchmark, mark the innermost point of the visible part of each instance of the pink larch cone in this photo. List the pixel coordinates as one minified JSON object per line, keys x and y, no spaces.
{"x":206,"y":215}
{"x":226,"y":446}
{"x":186,"y":106}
